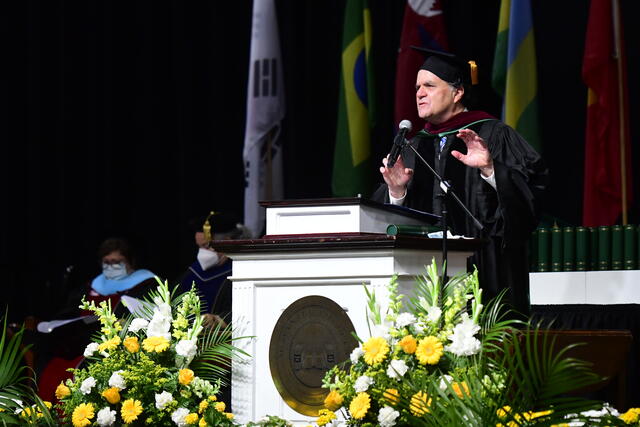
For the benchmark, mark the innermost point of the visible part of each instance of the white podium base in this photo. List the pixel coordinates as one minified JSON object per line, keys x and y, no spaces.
{"x":265,"y":284}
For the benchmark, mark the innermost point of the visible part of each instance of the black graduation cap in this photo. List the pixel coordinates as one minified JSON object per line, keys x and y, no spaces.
{"x":449,"y":67}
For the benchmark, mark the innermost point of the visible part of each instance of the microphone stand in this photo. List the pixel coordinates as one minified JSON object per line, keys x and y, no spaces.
{"x":446,"y":189}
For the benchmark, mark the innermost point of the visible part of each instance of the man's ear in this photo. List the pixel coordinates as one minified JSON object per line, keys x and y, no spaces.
{"x":458,"y":93}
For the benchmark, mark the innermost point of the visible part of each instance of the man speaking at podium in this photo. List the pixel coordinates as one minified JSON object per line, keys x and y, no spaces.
{"x":496,"y":174}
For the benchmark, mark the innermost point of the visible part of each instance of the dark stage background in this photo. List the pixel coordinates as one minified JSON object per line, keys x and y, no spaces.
{"x":127,"y":118}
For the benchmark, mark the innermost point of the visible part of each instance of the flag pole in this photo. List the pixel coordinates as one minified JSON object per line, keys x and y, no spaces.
{"x":622,"y":124}
{"x":269,"y":171}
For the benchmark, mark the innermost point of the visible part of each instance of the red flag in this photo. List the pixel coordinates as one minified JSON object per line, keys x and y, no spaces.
{"x":423,"y":25}
{"x":607,"y":165}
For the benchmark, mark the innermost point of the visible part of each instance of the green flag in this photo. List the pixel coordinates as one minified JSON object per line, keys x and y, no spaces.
{"x":353,"y":170}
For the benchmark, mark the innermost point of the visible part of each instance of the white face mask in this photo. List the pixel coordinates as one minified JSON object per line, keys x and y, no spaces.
{"x":207,"y":258}
{"x":114,"y":271}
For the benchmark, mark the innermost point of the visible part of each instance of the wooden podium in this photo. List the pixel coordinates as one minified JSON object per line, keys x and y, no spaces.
{"x":299,"y":258}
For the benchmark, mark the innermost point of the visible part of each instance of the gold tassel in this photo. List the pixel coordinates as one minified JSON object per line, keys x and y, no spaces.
{"x":206,"y":227}
{"x":474,"y":72}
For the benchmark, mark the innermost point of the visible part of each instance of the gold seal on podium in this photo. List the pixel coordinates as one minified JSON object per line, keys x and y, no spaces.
{"x":311,"y":336}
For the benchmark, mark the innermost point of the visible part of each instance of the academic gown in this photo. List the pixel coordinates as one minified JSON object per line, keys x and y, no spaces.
{"x":212,"y":286}
{"x":509,"y":214}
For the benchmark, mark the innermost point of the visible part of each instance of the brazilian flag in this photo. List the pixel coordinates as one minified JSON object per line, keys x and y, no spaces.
{"x":514,"y":69}
{"x":353,"y":170}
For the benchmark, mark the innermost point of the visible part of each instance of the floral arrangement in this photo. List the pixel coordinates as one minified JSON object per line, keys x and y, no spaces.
{"x":163,"y":367}
{"x":438,"y":358}
{"x":442,"y":358}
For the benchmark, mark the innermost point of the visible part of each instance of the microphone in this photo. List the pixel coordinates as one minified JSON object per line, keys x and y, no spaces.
{"x":398,"y":142}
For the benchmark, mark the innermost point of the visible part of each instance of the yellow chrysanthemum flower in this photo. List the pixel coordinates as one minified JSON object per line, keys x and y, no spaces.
{"x":130,"y":410}
{"x":202,"y":423}
{"x":157,"y":344}
{"x":408,"y":344}
{"x":191,"y":419}
{"x":110,"y":344}
{"x":185,"y":376}
{"x":429,"y":351}
{"x":461,"y":389}
{"x":392,"y":396}
{"x":229,"y":415}
{"x":502,"y":412}
{"x":213,"y":398}
{"x":375,"y":350}
{"x":82,"y":415}
{"x":62,"y":391}
{"x":325,"y":416}
{"x":26,"y":412}
{"x":220,"y":406}
{"x":333,"y":401}
{"x":131,"y":344}
{"x":203,"y":406}
{"x":47,"y":404}
{"x":112,"y":395}
{"x":533,"y":415}
{"x":420,"y":403}
{"x":360,"y":405}
{"x":631,"y":416}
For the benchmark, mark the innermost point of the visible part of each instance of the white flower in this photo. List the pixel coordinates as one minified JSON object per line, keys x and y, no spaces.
{"x":397,"y":369}
{"x":362,"y":383}
{"x":356,"y":354}
{"x":87,"y":385}
{"x":163,"y":399}
{"x":187,"y":348}
{"x":444,"y":379}
{"x":160,"y":323}
{"x":106,"y":417}
{"x":179,"y":415}
{"x":90,"y":349}
{"x":463,"y":342}
{"x":405,"y":319}
{"x":117,"y":381}
{"x":137,"y":324}
{"x":433,"y":314}
{"x":382,"y":330}
{"x":387,"y":416}
{"x":418,"y":328}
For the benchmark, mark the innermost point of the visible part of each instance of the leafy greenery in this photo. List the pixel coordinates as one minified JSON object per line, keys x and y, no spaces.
{"x":19,"y":404}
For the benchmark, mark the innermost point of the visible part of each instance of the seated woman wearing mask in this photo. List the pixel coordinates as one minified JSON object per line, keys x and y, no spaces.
{"x":62,"y":348}
{"x":210,"y":270}
{"x":119,"y":274}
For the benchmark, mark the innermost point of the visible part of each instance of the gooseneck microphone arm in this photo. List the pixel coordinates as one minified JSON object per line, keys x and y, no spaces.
{"x":446,"y":189}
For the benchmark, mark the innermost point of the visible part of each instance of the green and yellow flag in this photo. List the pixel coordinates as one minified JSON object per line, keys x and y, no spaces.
{"x":514,"y":69}
{"x":353,"y":170}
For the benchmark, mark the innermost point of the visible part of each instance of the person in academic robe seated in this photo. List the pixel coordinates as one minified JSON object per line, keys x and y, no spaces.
{"x":494,"y":171}
{"x":63,"y":346}
{"x":209,"y":272}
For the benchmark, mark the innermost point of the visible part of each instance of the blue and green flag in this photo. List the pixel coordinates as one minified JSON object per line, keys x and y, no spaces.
{"x":353,"y":169}
{"x":514,"y":69}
